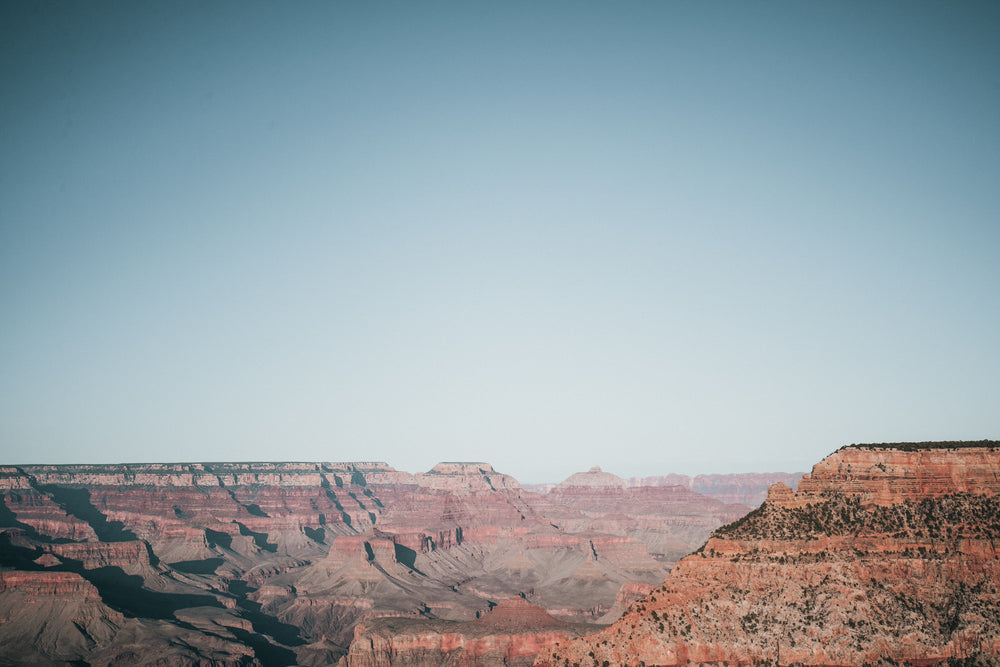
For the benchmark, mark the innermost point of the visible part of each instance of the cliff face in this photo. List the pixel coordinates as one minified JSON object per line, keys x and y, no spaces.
{"x":882,"y":553}
{"x":279,"y":563}
{"x":885,"y":475}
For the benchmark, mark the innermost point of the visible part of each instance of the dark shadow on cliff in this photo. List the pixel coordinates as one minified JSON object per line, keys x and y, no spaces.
{"x":205,"y":566}
{"x":268,"y":654}
{"x":260,"y":539}
{"x":262,"y":623}
{"x":125,"y":593}
{"x":76,"y":502}
{"x":119,"y":590}
{"x":216,"y":538}
{"x":9,"y":520}
{"x":407,"y":557}
{"x":315,"y":534}
{"x":268,"y":625}
{"x":17,"y":557}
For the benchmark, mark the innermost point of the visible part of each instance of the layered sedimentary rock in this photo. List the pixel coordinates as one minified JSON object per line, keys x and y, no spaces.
{"x":511,"y":634}
{"x":277,"y":564}
{"x":884,"y":553}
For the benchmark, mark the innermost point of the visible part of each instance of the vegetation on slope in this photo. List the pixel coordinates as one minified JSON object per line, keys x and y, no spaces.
{"x":960,"y":515}
{"x":917,"y":446}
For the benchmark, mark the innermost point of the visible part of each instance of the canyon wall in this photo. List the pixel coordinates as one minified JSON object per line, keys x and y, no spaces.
{"x":280,"y":563}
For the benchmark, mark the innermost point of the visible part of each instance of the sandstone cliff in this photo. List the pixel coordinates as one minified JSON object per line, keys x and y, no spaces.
{"x":884,"y":553}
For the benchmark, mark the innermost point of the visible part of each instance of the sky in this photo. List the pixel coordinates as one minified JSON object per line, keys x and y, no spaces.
{"x":657,"y":237}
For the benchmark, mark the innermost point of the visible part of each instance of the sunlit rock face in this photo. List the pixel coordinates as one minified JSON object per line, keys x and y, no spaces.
{"x":281,"y":563}
{"x":885,"y":552}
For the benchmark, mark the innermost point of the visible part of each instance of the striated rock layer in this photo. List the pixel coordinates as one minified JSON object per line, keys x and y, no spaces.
{"x":885,"y":553}
{"x":279,"y":563}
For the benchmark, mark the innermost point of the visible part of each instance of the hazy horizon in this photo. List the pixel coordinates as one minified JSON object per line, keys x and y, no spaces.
{"x":529,"y":482}
{"x":685,"y":237}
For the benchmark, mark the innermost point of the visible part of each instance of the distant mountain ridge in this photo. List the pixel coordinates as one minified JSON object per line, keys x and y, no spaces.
{"x":743,"y":488}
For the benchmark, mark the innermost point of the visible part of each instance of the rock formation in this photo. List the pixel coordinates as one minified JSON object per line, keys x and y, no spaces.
{"x":282,"y":563}
{"x":884,"y":553}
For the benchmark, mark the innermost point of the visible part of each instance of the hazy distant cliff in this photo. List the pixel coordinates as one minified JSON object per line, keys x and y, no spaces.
{"x":736,"y":488}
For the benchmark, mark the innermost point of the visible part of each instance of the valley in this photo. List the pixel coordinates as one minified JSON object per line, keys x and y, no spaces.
{"x":286,"y":563}
{"x":882,"y":554}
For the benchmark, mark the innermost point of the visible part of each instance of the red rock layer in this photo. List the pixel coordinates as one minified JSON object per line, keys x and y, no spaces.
{"x":48,"y":584}
{"x":887,"y":475}
{"x":881,"y":554}
{"x":37,"y":510}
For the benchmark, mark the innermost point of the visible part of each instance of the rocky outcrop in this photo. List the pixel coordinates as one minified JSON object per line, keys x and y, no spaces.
{"x":884,"y":553}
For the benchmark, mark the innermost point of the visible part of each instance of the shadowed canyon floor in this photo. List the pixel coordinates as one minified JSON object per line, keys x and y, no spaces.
{"x":287,"y":563}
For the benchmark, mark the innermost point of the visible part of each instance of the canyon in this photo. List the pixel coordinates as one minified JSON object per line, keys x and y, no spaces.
{"x":319,"y":563}
{"x":882,"y":554}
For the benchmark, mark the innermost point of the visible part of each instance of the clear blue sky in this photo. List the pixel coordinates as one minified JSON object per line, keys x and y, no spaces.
{"x":652,"y":236}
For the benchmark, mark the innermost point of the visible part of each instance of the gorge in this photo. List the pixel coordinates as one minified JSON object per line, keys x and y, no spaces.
{"x":286,"y":563}
{"x":881,"y":554}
